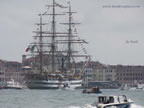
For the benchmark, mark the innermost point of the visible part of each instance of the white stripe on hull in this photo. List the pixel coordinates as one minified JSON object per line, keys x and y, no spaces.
{"x":53,"y":84}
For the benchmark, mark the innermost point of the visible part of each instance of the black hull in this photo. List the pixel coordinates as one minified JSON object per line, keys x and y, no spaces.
{"x":42,"y":88}
{"x":92,"y":92}
{"x":14,"y":88}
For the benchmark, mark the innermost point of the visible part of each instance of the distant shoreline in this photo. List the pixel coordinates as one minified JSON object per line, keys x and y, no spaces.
{"x":121,"y":6}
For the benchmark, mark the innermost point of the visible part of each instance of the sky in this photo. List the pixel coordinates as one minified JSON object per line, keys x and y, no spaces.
{"x":113,"y":28}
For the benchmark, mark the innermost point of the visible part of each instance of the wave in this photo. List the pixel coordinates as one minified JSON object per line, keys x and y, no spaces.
{"x":132,"y":106}
{"x":74,"y":107}
{"x":136,"y":106}
{"x":79,"y":107}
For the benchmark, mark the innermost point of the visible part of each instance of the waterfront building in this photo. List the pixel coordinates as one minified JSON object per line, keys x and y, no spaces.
{"x":88,"y":76}
{"x":105,"y":73}
{"x":104,"y":76}
{"x":117,"y":75}
{"x":98,"y":74}
{"x":2,"y":73}
{"x":33,"y":62}
{"x":12,"y":70}
{"x":129,"y":74}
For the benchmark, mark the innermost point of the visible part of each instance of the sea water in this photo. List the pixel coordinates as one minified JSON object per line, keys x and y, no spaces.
{"x":61,"y":98}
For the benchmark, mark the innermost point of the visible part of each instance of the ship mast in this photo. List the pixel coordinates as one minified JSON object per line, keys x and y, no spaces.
{"x":54,"y":35}
{"x":53,"y":38}
{"x":69,"y":38}
{"x":41,"y":46}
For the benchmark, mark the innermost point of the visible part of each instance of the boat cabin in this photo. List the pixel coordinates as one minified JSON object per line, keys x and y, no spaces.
{"x":112,"y":99}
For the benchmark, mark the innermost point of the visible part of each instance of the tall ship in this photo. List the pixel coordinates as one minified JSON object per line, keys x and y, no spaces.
{"x":56,"y":58}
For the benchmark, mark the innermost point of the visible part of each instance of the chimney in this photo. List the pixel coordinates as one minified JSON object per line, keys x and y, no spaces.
{"x":23,"y":59}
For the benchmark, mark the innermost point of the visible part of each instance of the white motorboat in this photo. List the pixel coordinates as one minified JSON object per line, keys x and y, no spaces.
{"x":111,"y":102}
{"x":124,"y":87}
{"x":12,"y":85}
{"x":140,"y":86}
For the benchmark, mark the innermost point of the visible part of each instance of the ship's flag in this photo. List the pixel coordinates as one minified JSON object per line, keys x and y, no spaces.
{"x":32,"y":48}
{"x":27,"y":49}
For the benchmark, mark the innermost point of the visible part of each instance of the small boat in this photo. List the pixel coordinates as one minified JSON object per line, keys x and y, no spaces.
{"x":92,"y":90}
{"x":132,"y":88}
{"x":111,"y":102}
{"x":124,"y":87}
{"x":12,"y":85}
{"x":140,"y":86}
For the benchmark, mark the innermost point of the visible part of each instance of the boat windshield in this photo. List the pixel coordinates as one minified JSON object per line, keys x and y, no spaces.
{"x":111,"y":100}
{"x":106,"y":100}
{"x":123,"y":98}
{"x":102,"y":99}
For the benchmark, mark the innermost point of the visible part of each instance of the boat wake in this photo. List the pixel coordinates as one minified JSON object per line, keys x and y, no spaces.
{"x":72,"y":107}
{"x":79,"y":107}
{"x":132,"y":106}
{"x":136,"y":106}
